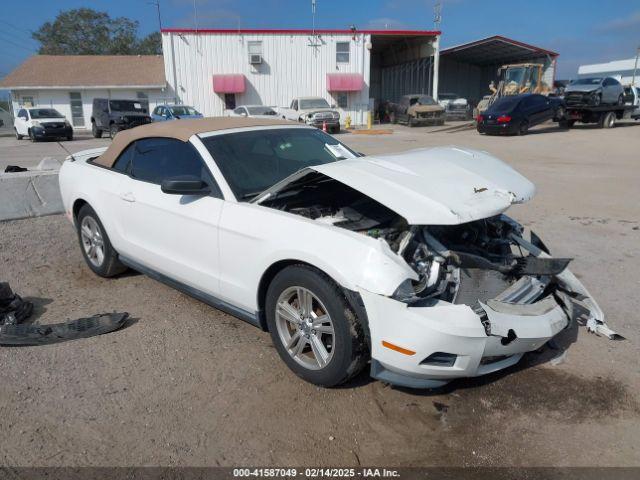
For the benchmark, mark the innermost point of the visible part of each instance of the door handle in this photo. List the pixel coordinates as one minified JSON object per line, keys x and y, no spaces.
{"x":128,"y":197}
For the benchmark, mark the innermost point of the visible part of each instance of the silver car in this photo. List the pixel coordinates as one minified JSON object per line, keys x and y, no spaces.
{"x":594,"y":91}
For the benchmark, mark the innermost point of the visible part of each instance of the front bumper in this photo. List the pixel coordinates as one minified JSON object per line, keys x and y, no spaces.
{"x":41,"y":132}
{"x":319,"y":123}
{"x":477,"y":341}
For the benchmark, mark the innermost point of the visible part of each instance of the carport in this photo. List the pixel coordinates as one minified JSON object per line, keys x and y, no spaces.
{"x":402,"y":62}
{"x":469,"y":68}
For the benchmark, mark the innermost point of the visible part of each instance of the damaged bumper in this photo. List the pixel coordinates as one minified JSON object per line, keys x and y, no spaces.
{"x":428,"y":345}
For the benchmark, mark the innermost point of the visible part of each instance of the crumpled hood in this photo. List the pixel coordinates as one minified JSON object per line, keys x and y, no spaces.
{"x":436,"y":186}
{"x":581,"y":88}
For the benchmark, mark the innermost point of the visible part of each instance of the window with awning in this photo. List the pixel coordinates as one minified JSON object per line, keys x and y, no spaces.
{"x":344,"y":82}
{"x":229,"y":83}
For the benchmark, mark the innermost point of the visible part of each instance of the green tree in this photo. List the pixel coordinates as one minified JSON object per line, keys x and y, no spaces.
{"x":84,"y":31}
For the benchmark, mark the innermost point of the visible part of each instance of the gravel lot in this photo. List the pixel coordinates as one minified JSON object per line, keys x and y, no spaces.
{"x":184,"y":384}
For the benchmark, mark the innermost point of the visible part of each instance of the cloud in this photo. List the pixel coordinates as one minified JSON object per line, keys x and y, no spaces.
{"x":621,"y":24}
{"x":385,"y":23}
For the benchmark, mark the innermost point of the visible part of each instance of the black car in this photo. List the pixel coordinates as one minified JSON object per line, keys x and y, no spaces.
{"x":514,"y":114}
{"x":112,"y":115}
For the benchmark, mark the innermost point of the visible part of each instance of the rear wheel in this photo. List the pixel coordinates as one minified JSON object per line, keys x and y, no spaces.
{"x":18,"y":136}
{"x":95,"y":131}
{"x":313,"y":328}
{"x":607,"y":120}
{"x":523,"y":128}
{"x":96,"y":247}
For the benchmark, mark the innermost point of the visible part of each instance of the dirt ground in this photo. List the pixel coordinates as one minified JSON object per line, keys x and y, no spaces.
{"x":184,"y":384}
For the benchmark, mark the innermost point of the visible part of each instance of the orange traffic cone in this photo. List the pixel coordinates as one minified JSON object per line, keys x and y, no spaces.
{"x":324,"y":126}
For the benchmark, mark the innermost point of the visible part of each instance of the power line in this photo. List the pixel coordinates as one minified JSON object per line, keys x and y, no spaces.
{"x":27,"y":33}
{"x":11,"y":42}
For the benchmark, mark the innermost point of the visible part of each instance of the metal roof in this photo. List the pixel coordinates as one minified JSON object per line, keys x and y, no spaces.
{"x":300,"y":31}
{"x":495,"y":50}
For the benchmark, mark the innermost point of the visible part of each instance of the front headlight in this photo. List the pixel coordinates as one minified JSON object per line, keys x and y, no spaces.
{"x":404,"y":292}
{"x":35,"y":123}
{"x":66,"y":123}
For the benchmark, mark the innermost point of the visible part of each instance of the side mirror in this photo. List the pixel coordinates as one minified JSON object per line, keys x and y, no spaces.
{"x":185,"y":185}
{"x":333,"y":105}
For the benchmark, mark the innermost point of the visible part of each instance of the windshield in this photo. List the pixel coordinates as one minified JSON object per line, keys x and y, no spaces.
{"x":587,"y":81}
{"x":515,"y":75}
{"x":255,"y":160}
{"x":261,"y":111}
{"x":184,"y":110}
{"x":45,"y":113}
{"x":313,"y":103}
{"x":125,"y":106}
{"x":426,"y":100}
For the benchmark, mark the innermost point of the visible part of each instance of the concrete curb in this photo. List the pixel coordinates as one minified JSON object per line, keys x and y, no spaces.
{"x":29,"y":194}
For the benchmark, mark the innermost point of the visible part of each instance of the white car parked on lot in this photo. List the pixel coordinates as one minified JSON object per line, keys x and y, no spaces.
{"x":41,"y":123}
{"x":404,"y":261}
{"x":254,"y":111}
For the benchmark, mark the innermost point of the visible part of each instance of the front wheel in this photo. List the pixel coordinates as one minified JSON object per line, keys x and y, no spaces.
{"x":32,"y":136}
{"x":313,"y":328}
{"x":113,"y":130}
{"x":18,"y":136}
{"x":96,"y":247}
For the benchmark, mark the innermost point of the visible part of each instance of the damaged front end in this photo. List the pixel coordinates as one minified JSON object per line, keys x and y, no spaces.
{"x":482,"y":295}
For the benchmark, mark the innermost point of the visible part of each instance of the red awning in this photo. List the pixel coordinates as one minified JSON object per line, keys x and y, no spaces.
{"x":344,"y":82}
{"x":233,"y":83}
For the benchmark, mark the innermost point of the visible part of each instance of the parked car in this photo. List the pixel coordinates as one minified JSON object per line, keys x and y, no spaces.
{"x":405,"y":261}
{"x":163,"y":113}
{"x":314,"y":111}
{"x":515,"y":114}
{"x":455,"y":106}
{"x":417,"y":109}
{"x":41,"y":123}
{"x":115,"y":115}
{"x":255,"y":111}
{"x":594,"y":91}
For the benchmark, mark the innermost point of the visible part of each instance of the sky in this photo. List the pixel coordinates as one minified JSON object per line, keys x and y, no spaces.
{"x":586,"y":31}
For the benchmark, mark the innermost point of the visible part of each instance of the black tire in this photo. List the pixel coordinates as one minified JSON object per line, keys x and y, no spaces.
{"x":69,"y":138}
{"x":411,"y":121}
{"x":621,"y":100}
{"x":523,"y":128}
{"x":110,"y":265}
{"x":597,"y":100}
{"x":336,"y":129}
{"x":350,"y":351}
{"x":95,"y":131}
{"x":607,"y":120}
{"x":18,"y":136}
{"x":32,"y":137}
{"x":560,"y":114}
{"x":113,"y":130}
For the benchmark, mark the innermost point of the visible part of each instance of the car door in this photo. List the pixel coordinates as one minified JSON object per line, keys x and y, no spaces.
{"x":21,"y":122}
{"x":174,"y":235}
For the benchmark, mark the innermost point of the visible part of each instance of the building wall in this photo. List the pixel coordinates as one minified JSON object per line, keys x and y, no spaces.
{"x":291,"y":67}
{"x":60,"y":100}
{"x":621,"y":69}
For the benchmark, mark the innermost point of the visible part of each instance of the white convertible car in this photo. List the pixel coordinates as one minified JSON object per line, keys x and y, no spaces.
{"x":404,"y":262}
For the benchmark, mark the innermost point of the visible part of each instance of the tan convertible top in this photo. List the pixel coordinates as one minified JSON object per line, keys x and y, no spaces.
{"x":180,"y":130}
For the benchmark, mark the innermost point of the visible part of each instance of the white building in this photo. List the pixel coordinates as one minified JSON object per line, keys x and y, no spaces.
{"x":623,"y":70}
{"x":215,"y":70}
{"x":69,"y":83}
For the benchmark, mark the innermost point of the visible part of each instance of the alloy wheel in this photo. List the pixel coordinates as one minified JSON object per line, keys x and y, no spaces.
{"x":92,"y":240}
{"x":305,"y":327}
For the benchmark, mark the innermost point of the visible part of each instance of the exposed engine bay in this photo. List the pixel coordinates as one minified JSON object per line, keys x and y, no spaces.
{"x":466,"y":263}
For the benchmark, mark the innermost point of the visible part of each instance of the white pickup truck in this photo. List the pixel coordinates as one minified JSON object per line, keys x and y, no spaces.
{"x":313,"y":111}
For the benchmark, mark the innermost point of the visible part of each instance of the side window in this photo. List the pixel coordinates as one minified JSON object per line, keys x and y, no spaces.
{"x":413,"y":101}
{"x":239,"y":111}
{"x":342,"y":52}
{"x":22,"y":113}
{"x":294,"y":104}
{"x":156,"y":159}
{"x":123,"y":162}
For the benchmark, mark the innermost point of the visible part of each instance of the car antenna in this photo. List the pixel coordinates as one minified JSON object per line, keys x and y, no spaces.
{"x":73,"y":159}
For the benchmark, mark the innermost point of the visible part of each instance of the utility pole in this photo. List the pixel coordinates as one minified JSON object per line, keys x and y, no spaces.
{"x":157,"y":5}
{"x":635,"y":67}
